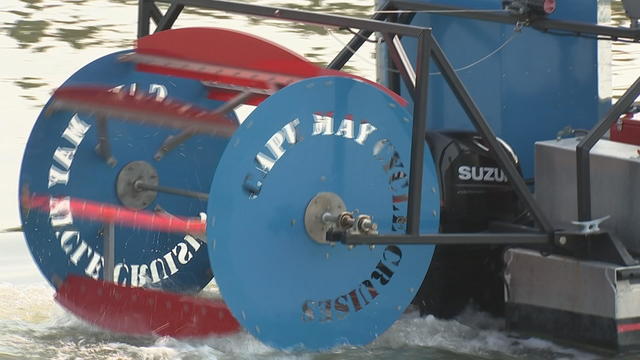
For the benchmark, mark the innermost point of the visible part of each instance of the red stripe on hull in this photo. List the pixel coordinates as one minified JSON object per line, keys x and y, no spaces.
{"x":622,"y":328}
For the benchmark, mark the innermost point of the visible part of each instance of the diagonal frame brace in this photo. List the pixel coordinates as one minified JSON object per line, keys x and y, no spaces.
{"x":148,"y":10}
{"x":169,"y":17}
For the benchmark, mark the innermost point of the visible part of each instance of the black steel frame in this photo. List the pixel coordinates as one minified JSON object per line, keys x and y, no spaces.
{"x":391,"y":25}
{"x":545,"y":24}
{"x":537,"y":22}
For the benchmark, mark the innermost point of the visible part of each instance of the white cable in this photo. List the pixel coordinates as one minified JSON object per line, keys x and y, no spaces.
{"x":368,"y":61}
{"x":513,"y":36}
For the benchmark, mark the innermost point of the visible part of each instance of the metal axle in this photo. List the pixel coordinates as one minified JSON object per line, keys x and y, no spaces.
{"x":141,"y":186}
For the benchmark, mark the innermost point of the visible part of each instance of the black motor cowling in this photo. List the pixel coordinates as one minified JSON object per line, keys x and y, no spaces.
{"x":475,"y":192}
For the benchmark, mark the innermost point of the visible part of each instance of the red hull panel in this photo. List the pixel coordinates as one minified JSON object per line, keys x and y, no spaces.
{"x":139,"y":311}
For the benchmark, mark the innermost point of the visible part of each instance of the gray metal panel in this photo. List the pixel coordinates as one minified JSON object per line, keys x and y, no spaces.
{"x":615,"y":185}
{"x":560,"y":283}
{"x":563,"y":283}
{"x":627,"y":299}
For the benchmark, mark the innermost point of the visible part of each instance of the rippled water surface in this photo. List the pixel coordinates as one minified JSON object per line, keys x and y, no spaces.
{"x":42,"y":42}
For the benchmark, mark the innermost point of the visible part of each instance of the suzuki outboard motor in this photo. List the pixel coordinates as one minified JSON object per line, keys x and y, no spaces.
{"x":475,"y":192}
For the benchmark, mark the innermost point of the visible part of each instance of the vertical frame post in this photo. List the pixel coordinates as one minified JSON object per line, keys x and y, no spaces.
{"x":144,"y":17}
{"x":393,"y":78}
{"x":400,"y":67}
{"x":393,"y":73}
{"x":419,"y":128}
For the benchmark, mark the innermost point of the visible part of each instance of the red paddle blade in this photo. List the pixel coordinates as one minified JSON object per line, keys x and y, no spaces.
{"x":139,"y":311}
{"x":107,"y":213}
{"x":229,"y":58}
{"x":220,"y":65}
{"x":142,"y":107}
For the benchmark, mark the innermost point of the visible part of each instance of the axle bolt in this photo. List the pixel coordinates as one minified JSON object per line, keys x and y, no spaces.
{"x":346,"y":220}
{"x":366,"y":225}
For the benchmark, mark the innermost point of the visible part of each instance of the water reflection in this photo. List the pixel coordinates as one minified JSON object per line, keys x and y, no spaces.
{"x":626,"y":56}
{"x":80,"y":38}
{"x":33,"y":4}
{"x":28,"y":32}
{"x":30,"y":82}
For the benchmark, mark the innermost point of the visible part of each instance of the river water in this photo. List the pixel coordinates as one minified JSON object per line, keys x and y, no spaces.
{"x":42,"y":43}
